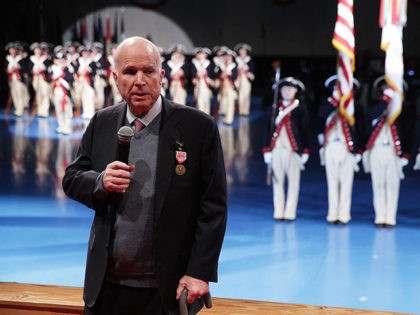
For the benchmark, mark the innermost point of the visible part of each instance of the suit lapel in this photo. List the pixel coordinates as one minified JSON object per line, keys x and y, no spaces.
{"x":168,"y":136}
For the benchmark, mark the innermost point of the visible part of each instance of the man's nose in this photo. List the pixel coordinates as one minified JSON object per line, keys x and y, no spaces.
{"x":139,"y":78}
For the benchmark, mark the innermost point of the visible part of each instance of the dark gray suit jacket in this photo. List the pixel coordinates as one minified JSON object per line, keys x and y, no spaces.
{"x":190,"y":210}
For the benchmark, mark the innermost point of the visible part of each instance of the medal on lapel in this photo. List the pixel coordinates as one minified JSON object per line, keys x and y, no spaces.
{"x":180,"y":156}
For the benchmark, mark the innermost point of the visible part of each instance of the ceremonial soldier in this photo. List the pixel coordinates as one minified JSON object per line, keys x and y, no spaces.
{"x":386,"y":154}
{"x":245,"y":77}
{"x":176,"y":71}
{"x":165,"y":82}
{"x":72,"y":55}
{"x":37,"y":66}
{"x":227,"y":88}
{"x":61,"y":76}
{"x":85,"y":77}
{"x":16,"y":74}
{"x":218,"y":58}
{"x":201,"y":70}
{"x":340,"y":151}
{"x":219,"y":65}
{"x":101,"y":66}
{"x":289,"y":149}
{"x":115,"y":94}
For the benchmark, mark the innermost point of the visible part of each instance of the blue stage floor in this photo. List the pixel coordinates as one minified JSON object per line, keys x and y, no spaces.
{"x":43,"y":235}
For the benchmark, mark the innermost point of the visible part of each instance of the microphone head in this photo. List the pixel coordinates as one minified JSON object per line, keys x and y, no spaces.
{"x":125,"y":134}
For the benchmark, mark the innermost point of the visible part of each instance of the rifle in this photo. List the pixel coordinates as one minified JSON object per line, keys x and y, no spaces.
{"x":275,"y":87}
{"x":269,"y":175}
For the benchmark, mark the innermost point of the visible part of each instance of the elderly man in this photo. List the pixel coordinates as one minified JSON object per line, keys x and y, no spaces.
{"x":160,"y":218}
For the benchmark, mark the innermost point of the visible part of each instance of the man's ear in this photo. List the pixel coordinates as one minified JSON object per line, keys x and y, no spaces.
{"x":114,"y":74}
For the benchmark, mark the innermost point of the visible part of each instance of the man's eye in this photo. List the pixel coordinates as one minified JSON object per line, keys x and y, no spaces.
{"x":130,"y":71}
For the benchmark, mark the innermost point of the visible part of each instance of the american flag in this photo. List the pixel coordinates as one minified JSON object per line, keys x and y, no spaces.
{"x":84,"y":32}
{"x":343,"y":41}
{"x":392,"y":19}
{"x":122,"y":25}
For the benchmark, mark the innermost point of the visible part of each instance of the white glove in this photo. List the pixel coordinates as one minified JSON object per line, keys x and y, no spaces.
{"x":366,"y":161}
{"x":320,"y":137}
{"x":335,"y":97}
{"x":357,"y":157}
{"x":279,"y":117}
{"x":322,"y":156}
{"x":388,"y":92}
{"x":268,"y":157}
{"x":417,"y":164}
{"x":304,"y":158}
{"x":403,"y":162}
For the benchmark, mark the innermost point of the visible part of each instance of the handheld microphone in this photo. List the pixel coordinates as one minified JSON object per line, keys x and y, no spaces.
{"x":124,"y":138}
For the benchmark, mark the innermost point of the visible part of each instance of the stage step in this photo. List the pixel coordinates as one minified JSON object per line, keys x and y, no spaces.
{"x":35,"y":299}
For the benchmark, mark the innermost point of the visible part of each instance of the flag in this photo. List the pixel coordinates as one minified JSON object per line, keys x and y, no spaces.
{"x":343,"y":41}
{"x":122,"y":26}
{"x":95,"y":29}
{"x":115,"y":32}
{"x":84,"y":32}
{"x":74,"y":33}
{"x":100,"y":30}
{"x":108,"y":30}
{"x":392,"y":19}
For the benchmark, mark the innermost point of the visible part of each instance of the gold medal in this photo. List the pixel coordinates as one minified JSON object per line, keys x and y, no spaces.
{"x":180,"y":169}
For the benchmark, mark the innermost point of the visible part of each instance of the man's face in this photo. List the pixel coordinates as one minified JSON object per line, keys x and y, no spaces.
{"x":288,"y":92}
{"x":243,"y":52}
{"x":138,"y":76}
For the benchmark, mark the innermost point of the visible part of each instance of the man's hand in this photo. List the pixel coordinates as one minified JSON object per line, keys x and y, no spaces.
{"x":117,"y":176}
{"x":196,"y":288}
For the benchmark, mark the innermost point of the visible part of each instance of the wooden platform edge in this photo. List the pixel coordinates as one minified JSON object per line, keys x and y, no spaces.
{"x":22,"y":298}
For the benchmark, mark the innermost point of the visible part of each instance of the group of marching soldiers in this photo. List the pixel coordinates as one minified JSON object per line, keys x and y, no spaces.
{"x":77,"y":79}
{"x":72,"y":77}
{"x":221,"y":74}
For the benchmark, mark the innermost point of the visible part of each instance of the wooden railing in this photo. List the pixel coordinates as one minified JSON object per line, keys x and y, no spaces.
{"x":35,"y":299}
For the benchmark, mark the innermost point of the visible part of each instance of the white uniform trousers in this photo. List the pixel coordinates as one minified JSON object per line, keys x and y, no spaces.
{"x":99,"y":85}
{"x":385,"y":171}
{"x":64,"y":115}
{"x":244,"y":95}
{"x":42,"y":93}
{"x":20,"y":95}
{"x":339,"y":168}
{"x":227,"y":100}
{"x":178,"y":93}
{"x":88,"y":100}
{"x":202,"y":95}
{"x":116,"y":96}
{"x":76,"y":92}
{"x":285,"y":163}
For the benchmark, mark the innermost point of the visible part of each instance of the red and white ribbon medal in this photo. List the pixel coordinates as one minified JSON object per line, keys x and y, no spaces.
{"x":180,"y":156}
